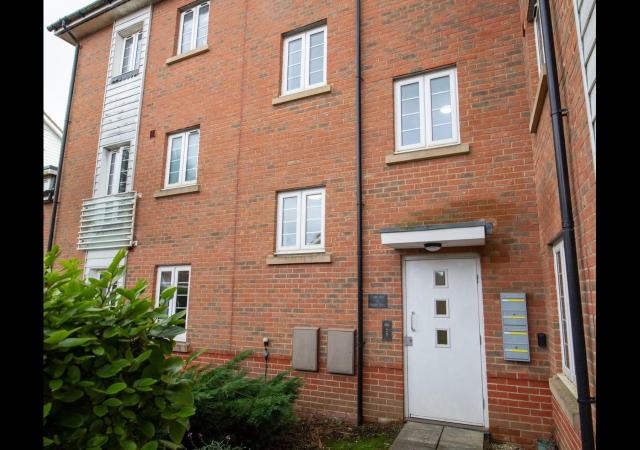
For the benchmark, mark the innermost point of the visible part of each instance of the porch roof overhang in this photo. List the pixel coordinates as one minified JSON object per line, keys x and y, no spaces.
{"x":461,"y":234}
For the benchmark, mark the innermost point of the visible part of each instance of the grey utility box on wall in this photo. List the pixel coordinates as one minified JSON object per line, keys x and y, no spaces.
{"x":341,"y":351}
{"x":515,"y":331}
{"x":305,"y":349}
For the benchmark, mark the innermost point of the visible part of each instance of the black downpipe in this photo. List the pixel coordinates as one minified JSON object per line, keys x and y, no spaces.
{"x":360,"y":332}
{"x":64,"y":142}
{"x":568,"y":234}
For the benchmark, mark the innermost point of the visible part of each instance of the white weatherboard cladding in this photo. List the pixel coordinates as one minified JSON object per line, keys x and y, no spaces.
{"x":51,"y":142}
{"x":122,"y":101}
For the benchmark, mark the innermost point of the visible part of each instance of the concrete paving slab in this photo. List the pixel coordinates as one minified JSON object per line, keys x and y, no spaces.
{"x":417,"y":436}
{"x":461,"y":439}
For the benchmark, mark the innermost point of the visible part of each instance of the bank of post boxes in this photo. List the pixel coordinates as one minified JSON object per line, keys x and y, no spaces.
{"x":515,"y":331}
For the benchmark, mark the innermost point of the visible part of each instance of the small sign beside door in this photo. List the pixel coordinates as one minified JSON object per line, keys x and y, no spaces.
{"x":377,"y":300}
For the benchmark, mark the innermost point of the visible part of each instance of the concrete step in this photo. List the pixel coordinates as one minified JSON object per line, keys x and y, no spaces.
{"x":423,"y":436}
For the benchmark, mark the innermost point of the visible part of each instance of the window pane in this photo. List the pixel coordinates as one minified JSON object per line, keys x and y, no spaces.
{"x":316,"y":58}
{"x":294,"y":54}
{"x":563,"y":314}
{"x":442,"y":337}
{"x":138,"y":47}
{"x":126,"y":54}
{"x":441,"y":307}
{"x":112,"y":168}
{"x":410,"y":114}
{"x":439,"y":85}
{"x":314,"y":221}
{"x":192,"y":156}
{"x":410,"y":137}
{"x":289,"y":221}
{"x":174,"y":160}
{"x":187,"y":30}
{"x":183,"y":276}
{"x":124,"y":170}
{"x":442,"y":132}
{"x":203,"y":26}
{"x":441,"y":127}
{"x":440,"y":278}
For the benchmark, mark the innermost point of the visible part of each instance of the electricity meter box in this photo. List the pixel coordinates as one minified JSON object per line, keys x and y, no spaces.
{"x":515,"y":331}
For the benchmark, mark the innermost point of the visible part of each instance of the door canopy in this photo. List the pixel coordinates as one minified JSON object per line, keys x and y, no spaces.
{"x":461,"y":234}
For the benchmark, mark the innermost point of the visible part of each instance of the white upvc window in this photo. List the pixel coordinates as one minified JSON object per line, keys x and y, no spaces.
{"x":194,"y":27}
{"x":304,"y":60}
{"x":300,"y":221}
{"x":539,"y":39}
{"x":131,"y":52}
{"x":116,"y":169}
{"x":175,"y":276}
{"x":426,"y":111}
{"x":182,"y":158}
{"x":564,"y":313}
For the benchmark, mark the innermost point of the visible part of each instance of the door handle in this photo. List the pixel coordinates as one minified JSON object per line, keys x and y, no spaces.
{"x":412,"y":314}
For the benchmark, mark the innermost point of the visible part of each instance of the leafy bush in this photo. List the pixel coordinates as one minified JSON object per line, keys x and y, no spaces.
{"x":109,"y":380}
{"x":248,"y":410}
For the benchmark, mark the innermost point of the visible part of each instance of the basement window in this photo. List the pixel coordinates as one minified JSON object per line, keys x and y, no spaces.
{"x":194,"y":27}
{"x":300,"y":221}
{"x":426,"y":111}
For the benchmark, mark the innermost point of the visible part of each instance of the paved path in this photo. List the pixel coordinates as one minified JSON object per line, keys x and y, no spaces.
{"x":422,"y":436}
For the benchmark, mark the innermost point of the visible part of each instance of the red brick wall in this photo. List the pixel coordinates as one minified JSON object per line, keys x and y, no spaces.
{"x":250,"y":149}
{"x":582,"y":182}
{"x":76,"y":181}
{"x":567,"y":437}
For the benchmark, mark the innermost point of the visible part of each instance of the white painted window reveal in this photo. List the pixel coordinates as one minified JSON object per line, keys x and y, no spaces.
{"x":179,"y":277}
{"x":194,"y":27}
{"x":426,"y":111}
{"x":564,"y":314}
{"x":304,"y":60}
{"x":300,"y":221}
{"x":182,"y":158}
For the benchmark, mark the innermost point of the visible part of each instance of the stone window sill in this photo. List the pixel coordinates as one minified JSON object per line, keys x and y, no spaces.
{"x":181,"y":347}
{"x":186,"y":55}
{"x":427,"y":153}
{"x":538,"y":103}
{"x":566,"y":400}
{"x":302,"y":94}
{"x":299,"y":258}
{"x":177,"y":191}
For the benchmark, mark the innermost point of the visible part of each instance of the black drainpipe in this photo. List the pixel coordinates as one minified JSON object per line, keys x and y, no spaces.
{"x":64,"y":140}
{"x":360,"y":332}
{"x":568,"y":235}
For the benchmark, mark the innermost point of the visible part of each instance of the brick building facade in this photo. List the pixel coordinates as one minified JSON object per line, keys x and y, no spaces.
{"x":268,"y":149}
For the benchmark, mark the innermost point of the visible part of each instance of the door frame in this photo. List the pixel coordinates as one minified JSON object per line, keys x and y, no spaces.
{"x":483,"y":362}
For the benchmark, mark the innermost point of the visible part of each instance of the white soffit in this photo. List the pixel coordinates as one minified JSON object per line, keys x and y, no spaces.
{"x":453,"y":236}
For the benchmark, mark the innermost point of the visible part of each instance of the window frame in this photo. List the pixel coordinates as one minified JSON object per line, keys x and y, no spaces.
{"x":301,"y":211}
{"x":424,"y":93}
{"x":196,"y":20}
{"x":171,"y":307}
{"x":304,"y":62}
{"x":183,"y":158}
{"x":118,"y":151}
{"x":567,"y":370}
{"x":541,"y":57}
{"x":133,"y":62}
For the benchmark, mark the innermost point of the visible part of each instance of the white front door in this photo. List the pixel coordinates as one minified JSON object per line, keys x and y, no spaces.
{"x":445,"y":378}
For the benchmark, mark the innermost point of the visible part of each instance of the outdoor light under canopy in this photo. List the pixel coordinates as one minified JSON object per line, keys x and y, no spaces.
{"x":432,"y":246}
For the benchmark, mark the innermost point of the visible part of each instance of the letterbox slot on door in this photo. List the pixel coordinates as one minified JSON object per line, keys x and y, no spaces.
{"x":515,"y":331}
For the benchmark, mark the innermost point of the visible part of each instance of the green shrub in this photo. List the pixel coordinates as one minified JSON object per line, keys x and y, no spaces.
{"x":109,"y":380}
{"x":248,"y":410}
